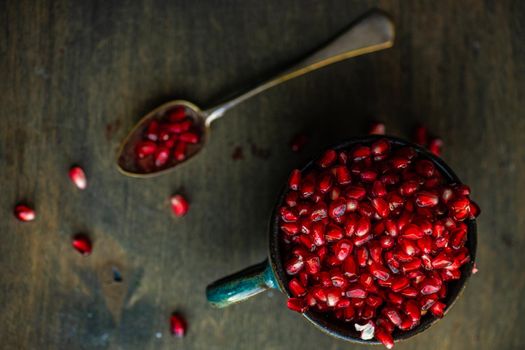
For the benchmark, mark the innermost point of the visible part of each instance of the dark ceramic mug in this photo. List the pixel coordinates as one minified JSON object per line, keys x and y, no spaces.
{"x":271,"y":274}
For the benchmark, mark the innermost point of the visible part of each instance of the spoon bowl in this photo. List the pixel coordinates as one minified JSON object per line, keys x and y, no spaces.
{"x":372,"y":32}
{"x":127,"y":162}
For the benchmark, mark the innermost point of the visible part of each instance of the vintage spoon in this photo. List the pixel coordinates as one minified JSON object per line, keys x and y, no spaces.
{"x":372,"y":32}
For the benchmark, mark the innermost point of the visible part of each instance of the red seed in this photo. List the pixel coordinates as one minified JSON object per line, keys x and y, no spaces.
{"x":378,"y":271}
{"x":437,"y":309}
{"x":312,"y":265}
{"x":298,"y":142}
{"x":362,"y":227}
{"x":297,"y":304}
{"x":413,"y":232}
{"x":441,"y":261}
{"x":333,"y":233}
{"x":328,"y":158}
{"x":356,"y":292}
{"x":180,"y":151}
{"x":145,"y":148}
{"x":399,"y":162}
{"x":392,"y":315}
{"x":294,"y":265}
{"x":377,"y":128}
{"x":189,"y":137}
{"x":384,"y":337}
{"x":412,"y":310}
{"x":355,"y":192}
{"x":400,"y":283}
{"x":435,"y":146}
{"x":430,"y":286}
{"x":24,"y":213}
{"x":380,"y":147}
{"x":343,"y":175}
{"x":178,"y":127}
{"x":82,"y":244}
{"x":342,"y":249}
{"x":177,"y":325}
{"x":421,"y":135}
{"x":349,"y":267}
{"x":307,"y":188}
{"x":360,"y":153}
{"x":152,"y":131}
{"x":426,"y":199}
{"x":296,"y":288}
{"x":78,"y":177}
{"x":381,"y":206}
{"x":295,"y":180}
{"x":177,"y":114}
{"x":362,"y":256}
{"x":179,"y":205}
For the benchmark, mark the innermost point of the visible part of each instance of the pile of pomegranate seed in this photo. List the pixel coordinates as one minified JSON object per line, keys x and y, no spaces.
{"x":372,"y":235}
{"x":166,"y":140}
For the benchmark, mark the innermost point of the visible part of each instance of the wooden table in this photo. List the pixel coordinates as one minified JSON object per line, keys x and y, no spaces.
{"x":75,"y":77}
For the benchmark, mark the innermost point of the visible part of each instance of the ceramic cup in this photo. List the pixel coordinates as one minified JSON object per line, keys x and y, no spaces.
{"x":270,"y":274}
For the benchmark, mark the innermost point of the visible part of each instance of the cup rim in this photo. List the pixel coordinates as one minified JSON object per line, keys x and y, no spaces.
{"x":340,"y":329}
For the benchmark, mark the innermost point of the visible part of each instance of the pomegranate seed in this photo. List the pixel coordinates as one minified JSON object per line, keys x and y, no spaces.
{"x":328,"y":158}
{"x":307,"y":188}
{"x":296,"y":288}
{"x":295,"y":180}
{"x":362,"y":256}
{"x":177,"y":325}
{"x":296,"y":304}
{"x":24,"y":213}
{"x":430,"y":286}
{"x":412,"y":310}
{"x":400,"y":162}
{"x":343,"y":175}
{"x":395,"y":298}
{"x":362,"y":227}
{"x":78,"y":177}
{"x":360,"y":153}
{"x":356,"y":292}
{"x":400,"y":283}
{"x":437,"y":309}
{"x":392,"y":315}
{"x":152,"y":131}
{"x":349,"y":267}
{"x":342,"y":249}
{"x":412,"y":232}
{"x":337,"y":208}
{"x":381,"y":206}
{"x":409,"y":292}
{"x":312,"y":265}
{"x":441,"y":261}
{"x":298,"y":142}
{"x":189,"y":137}
{"x":161,"y":156}
{"x":435,"y":145}
{"x":318,"y":230}
{"x":421,"y":135}
{"x":177,"y":114}
{"x":82,"y":244}
{"x":426,"y":199}
{"x":294,"y":265}
{"x":145,"y":148}
{"x":180,"y":151}
{"x":179,"y":205}
{"x":377,"y":128}
{"x":333,"y":233}
{"x":384,"y":337}
{"x":380,"y":147}
{"x":378,"y":271}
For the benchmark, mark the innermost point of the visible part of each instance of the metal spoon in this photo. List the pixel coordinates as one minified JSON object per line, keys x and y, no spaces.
{"x":372,"y":32}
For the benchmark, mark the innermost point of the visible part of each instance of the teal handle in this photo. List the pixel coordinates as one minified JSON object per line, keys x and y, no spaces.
{"x":241,"y":285}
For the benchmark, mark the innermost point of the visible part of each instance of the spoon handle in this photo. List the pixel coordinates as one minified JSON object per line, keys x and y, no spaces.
{"x":373,"y":32}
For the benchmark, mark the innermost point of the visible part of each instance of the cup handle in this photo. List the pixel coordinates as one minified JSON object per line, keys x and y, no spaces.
{"x":241,"y":285}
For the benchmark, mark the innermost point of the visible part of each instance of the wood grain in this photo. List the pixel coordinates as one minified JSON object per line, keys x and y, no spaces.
{"x":77,"y":75}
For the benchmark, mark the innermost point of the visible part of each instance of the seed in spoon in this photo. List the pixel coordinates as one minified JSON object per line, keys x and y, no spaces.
{"x":78,"y":177}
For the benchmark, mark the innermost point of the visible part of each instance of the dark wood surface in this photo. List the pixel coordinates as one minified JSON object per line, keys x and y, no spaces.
{"x":75,"y":77}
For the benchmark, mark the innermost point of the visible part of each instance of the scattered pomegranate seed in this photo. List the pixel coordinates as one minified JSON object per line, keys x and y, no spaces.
{"x":24,"y":213}
{"x":377,"y":129}
{"x":179,"y":205}
{"x":82,"y":243}
{"x":421,"y":135}
{"x":298,"y":142}
{"x":475,"y":269}
{"x":177,"y":325}
{"x":373,"y":235}
{"x":435,"y":146}
{"x":78,"y":177}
